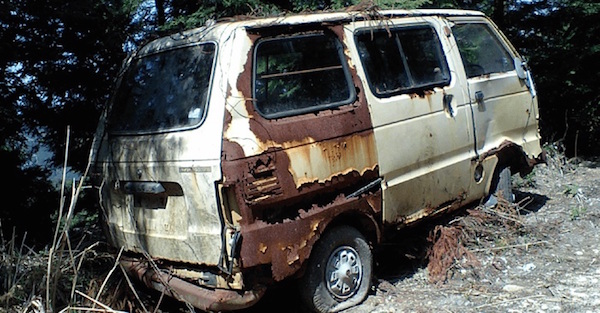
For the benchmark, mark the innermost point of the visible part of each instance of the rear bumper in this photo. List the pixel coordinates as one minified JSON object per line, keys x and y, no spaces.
{"x":200,"y":297}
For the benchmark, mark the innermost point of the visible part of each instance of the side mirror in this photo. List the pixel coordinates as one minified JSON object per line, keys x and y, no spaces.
{"x":521,"y":68}
{"x":524,"y":74}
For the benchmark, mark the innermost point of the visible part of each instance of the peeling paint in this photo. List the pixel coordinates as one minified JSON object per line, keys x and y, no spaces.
{"x":279,"y":169}
{"x":292,"y":240}
{"x":321,"y":161}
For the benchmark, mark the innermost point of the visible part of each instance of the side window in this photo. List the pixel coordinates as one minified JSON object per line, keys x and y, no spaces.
{"x":299,"y":74}
{"x":402,"y":60}
{"x":481,"y":51}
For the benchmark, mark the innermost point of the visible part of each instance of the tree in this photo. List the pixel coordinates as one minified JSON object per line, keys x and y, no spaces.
{"x":186,"y":14}
{"x":561,"y":41}
{"x":58,"y":59}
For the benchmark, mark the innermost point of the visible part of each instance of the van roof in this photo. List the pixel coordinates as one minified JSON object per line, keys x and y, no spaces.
{"x":347,"y":16}
{"x":199,"y":33}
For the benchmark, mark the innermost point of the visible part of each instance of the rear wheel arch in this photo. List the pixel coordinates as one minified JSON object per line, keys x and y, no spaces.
{"x":366,"y":224}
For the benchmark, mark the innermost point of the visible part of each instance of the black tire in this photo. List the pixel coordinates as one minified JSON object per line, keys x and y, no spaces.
{"x":504,"y":187}
{"x":344,"y":251}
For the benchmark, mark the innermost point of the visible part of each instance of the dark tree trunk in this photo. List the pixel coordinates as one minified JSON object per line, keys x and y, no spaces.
{"x":160,"y":12}
{"x":498,"y":14}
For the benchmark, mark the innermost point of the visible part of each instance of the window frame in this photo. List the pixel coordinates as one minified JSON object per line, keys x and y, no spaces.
{"x":413,"y":89}
{"x":126,"y":72}
{"x":311,"y":109}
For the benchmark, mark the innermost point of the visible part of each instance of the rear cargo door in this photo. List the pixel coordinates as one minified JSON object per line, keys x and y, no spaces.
{"x":161,"y":157}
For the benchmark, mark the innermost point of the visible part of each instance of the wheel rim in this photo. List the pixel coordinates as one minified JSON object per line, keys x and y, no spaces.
{"x":343,"y":272}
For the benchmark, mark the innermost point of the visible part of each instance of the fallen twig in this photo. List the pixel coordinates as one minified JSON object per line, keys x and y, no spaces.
{"x":109,"y":274}
{"x":495,"y":304}
{"x":502,"y":215}
{"x":132,"y":288}
{"x":104,"y":306}
{"x":81,"y":256}
{"x":526,"y":245}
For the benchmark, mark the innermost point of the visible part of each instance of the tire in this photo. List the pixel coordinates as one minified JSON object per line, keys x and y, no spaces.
{"x":504,"y":187}
{"x":339,"y":271}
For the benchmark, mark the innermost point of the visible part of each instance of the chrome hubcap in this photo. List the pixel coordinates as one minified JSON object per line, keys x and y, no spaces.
{"x":343,"y":272}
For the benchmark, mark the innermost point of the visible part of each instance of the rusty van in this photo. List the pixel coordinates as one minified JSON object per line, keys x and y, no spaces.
{"x":239,"y":154}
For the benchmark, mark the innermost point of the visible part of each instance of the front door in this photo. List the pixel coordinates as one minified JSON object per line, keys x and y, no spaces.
{"x":503,"y":106}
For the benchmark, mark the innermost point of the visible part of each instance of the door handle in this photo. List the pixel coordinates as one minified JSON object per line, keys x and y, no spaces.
{"x":448,"y":105}
{"x":479,"y":97}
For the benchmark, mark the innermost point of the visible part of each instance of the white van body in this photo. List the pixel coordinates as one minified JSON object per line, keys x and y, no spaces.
{"x":246,"y":152}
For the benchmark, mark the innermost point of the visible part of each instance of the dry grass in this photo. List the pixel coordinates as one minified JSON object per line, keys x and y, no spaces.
{"x":69,"y":275}
{"x":80,"y":279}
{"x":483,"y":227}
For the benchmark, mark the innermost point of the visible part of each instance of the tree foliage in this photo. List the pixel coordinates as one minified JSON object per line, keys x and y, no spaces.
{"x":561,"y":39}
{"x":58,"y":59}
{"x":178,"y":14}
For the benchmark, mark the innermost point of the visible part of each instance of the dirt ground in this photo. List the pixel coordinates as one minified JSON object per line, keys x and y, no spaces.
{"x":546,"y":260}
{"x":552,"y":264}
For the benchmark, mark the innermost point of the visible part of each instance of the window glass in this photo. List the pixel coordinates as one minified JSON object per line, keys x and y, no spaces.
{"x":402,"y":60}
{"x":481,"y":51}
{"x":164,"y":91}
{"x":300,"y":74}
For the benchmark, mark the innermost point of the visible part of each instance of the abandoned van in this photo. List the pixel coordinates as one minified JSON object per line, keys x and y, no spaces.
{"x":239,"y":154}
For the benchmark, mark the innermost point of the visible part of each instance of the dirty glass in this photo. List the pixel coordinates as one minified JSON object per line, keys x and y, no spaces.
{"x":300,"y":74}
{"x":164,"y":91}
{"x":402,"y":60}
{"x":481,"y":51}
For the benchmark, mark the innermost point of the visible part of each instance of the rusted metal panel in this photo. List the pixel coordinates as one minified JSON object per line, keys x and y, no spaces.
{"x":515,"y":156}
{"x":321,"y":161}
{"x":286,"y":245}
{"x":281,"y":169}
{"x":213,"y":300}
{"x":291,"y":131}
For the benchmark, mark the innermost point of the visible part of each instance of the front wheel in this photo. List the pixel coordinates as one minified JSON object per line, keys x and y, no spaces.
{"x":339,"y":271}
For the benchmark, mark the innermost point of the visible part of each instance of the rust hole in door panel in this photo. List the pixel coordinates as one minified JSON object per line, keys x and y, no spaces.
{"x":288,"y":175}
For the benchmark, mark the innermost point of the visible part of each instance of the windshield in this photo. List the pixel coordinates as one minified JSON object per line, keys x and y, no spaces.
{"x":164,"y":91}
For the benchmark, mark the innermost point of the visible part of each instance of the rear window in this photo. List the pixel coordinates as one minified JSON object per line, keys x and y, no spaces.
{"x":164,"y":91}
{"x":300,"y":74}
{"x":402,"y":60}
